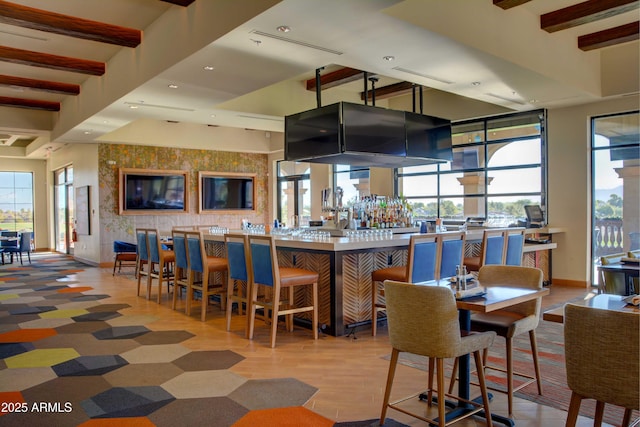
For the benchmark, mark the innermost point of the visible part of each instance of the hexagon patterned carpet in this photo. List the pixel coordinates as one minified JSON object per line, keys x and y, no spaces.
{"x":64,"y":361}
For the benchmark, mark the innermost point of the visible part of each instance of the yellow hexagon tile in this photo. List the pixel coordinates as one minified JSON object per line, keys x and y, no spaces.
{"x":41,"y":358}
{"x":60,"y":314}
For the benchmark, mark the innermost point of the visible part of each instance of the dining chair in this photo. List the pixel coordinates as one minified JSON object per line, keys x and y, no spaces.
{"x":423,"y":320}
{"x":492,"y":250}
{"x":512,"y":321}
{"x":601,"y":349}
{"x":612,"y":282}
{"x":124,"y":252}
{"x":142,"y":258}
{"x":278,"y":280}
{"x":514,"y":246}
{"x":204,"y":267}
{"x":181,"y":268}
{"x":239,"y":277}
{"x":161,"y":262}
{"x":23,"y":245}
{"x":422,"y":265}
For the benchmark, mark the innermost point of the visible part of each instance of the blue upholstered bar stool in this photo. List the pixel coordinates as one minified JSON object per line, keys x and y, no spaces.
{"x":142,"y":258}
{"x":181,"y":272}
{"x":514,"y":239}
{"x":422,"y":265}
{"x":160,"y":258}
{"x":492,"y":250}
{"x":237,"y":249}
{"x":203,"y":265}
{"x":452,"y":252}
{"x":268,"y":274}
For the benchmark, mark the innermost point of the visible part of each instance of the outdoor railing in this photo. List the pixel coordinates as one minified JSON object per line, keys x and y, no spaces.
{"x":608,"y":237}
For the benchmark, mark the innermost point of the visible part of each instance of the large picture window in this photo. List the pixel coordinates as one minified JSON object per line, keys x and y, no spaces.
{"x":498,"y":167}
{"x":16,"y":201}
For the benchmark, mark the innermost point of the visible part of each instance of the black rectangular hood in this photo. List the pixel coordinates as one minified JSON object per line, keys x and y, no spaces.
{"x":366,"y":136}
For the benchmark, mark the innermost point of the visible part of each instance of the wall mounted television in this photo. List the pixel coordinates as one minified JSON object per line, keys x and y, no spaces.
{"x":153,"y":191}
{"x":226,"y":192}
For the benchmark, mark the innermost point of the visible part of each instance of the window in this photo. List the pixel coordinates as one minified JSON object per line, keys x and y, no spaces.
{"x":354,"y":181}
{"x":16,"y":201}
{"x":615,"y":177}
{"x":498,"y":167}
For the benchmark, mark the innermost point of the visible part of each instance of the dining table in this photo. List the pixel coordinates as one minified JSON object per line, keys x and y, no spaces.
{"x":592,"y":299}
{"x":491,"y":299}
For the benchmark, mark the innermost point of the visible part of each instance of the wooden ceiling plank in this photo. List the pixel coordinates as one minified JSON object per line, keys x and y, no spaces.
{"x":336,"y":78}
{"x":51,"y":22}
{"x":40,"y":85}
{"x":184,"y":3}
{"x":584,"y":13}
{"x":31,"y":104}
{"x":55,"y":62}
{"x":508,"y":4}
{"x":389,"y":91}
{"x":612,"y":36}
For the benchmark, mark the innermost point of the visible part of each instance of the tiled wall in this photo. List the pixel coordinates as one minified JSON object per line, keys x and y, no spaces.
{"x":112,"y":157}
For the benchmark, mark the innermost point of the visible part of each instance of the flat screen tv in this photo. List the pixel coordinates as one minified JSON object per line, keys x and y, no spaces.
{"x":145,"y":191}
{"x":313,"y":133}
{"x":428,"y":136}
{"x":373,"y":130}
{"x":226,"y":192}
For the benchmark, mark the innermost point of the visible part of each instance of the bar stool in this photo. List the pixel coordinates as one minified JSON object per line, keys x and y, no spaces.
{"x":142,"y":258}
{"x":237,"y":249}
{"x":514,"y":246}
{"x":163,"y":259}
{"x":268,"y":274}
{"x":204,"y":265}
{"x":181,"y":272}
{"x":423,"y":320}
{"x":512,"y":321}
{"x":422,"y":265}
{"x":452,"y":252}
{"x":492,"y":250}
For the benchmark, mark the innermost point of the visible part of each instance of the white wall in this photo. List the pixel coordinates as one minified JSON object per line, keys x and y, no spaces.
{"x":84,"y":158}
{"x":570,"y":183}
{"x":40,"y":185}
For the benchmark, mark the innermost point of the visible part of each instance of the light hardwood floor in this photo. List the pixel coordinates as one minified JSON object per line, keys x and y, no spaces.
{"x":349,"y":373}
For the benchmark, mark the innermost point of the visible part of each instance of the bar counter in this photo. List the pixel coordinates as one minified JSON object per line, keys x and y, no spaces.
{"x":345,"y":265}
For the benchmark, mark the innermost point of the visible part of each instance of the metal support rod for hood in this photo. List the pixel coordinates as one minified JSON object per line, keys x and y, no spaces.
{"x":420,"y":99}
{"x":413,"y":96}
{"x":373,"y":81}
{"x":318,"y":87}
{"x":366,"y":88}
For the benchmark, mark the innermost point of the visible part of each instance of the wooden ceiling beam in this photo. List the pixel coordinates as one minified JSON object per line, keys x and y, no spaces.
{"x":51,"y":22}
{"x":336,"y":78}
{"x":584,"y":13}
{"x":32,"y":104}
{"x":396,"y":89}
{"x":40,"y":85}
{"x":508,"y":4}
{"x":612,"y":36}
{"x":184,"y":3}
{"x":55,"y":62}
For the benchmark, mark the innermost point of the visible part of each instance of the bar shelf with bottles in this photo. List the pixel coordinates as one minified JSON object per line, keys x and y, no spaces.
{"x":381,"y":212}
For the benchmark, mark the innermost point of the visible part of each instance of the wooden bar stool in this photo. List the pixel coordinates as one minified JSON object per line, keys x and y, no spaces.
{"x":422,"y":265}
{"x":161,"y":262}
{"x":237,"y":249}
{"x":268,"y":274}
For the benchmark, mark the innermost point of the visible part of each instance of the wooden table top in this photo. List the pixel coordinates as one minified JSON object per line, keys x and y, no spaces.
{"x":603,"y":301}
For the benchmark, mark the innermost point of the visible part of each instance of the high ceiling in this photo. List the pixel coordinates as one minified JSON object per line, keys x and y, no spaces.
{"x":63,"y":81}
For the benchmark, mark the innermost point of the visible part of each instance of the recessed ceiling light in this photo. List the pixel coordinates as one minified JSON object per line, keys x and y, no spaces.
{"x":87,"y":132}
{"x":133,"y":107}
{"x":475,"y":83}
{"x":173,"y":86}
{"x":284,"y":28}
{"x":213,"y":115}
{"x":209,"y":67}
{"x":533,"y":101}
{"x":389,"y":58}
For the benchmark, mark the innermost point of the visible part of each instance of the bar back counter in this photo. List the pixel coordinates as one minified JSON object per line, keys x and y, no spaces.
{"x":345,"y":265}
